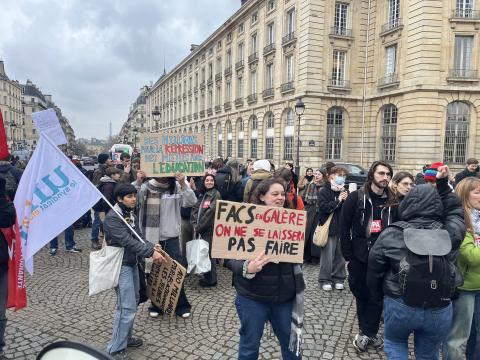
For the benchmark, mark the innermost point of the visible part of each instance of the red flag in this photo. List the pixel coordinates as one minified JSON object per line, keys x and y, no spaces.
{"x":17,"y":293}
{"x":3,"y":139}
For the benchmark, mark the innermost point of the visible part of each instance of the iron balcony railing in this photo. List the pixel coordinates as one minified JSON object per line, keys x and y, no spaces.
{"x":228,"y":71}
{"x":463,"y":74}
{"x":239,"y":102}
{"x":268,"y":93}
{"x":218,"y":108}
{"x":392,"y":24}
{"x":227,"y":105}
{"x":252,"y":98}
{"x":209,"y":111}
{"x":218,"y":76}
{"x":269,"y":49}
{"x":466,"y":14}
{"x":388,"y":79}
{"x":288,"y":86}
{"x":239,"y":65}
{"x":341,"y":31}
{"x":253,"y":57}
{"x":341,"y":83}
{"x":288,"y":38}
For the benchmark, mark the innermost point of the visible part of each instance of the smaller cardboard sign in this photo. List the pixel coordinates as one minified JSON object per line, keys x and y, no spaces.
{"x":47,"y":122}
{"x":244,"y":231}
{"x":162,"y":155}
{"x":164,"y":284}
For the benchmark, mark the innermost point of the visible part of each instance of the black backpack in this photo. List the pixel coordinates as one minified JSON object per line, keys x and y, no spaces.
{"x":224,"y":185}
{"x":427,"y":277}
{"x":11,"y":183}
{"x":101,"y":205}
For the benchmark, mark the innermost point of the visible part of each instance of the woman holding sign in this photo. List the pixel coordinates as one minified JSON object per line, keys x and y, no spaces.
{"x":202,"y":218}
{"x":268,"y":292}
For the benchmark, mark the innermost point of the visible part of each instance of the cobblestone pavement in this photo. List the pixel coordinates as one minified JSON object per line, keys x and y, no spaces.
{"x":60,"y":308}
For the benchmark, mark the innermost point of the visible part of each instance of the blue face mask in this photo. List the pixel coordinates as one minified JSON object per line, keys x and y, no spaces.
{"x":339,"y":180}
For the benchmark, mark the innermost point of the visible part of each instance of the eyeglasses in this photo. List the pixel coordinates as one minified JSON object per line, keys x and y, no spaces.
{"x":383,"y":173}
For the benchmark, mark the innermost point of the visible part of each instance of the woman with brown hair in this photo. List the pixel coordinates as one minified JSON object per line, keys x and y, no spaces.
{"x":311,"y":253}
{"x":400,"y":185}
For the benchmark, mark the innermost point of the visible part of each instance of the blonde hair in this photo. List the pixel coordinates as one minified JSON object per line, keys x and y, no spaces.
{"x":463,"y":190}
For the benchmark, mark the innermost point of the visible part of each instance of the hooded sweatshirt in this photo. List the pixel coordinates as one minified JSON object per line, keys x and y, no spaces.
{"x":159,"y":211}
{"x":257,"y":176}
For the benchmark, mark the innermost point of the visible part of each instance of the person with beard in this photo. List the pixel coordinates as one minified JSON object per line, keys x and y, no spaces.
{"x":307,"y":179}
{"x":363,"y":217}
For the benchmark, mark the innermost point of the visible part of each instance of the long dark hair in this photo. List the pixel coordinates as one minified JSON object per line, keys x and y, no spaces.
{"x":263,"y":187}
{"x":394,"y":196}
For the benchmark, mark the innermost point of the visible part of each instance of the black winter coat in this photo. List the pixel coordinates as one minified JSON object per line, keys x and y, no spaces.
{"x":7,"y":219}
{"x":275,"y":283}
{"x":206,"y":205}
{"x":464,"y":174}
{"x":118,"y":234}
{"x":232,"y":191}
{"x":327,"y":203}
{"x":420,"y":208}
{"x":355,"y":224}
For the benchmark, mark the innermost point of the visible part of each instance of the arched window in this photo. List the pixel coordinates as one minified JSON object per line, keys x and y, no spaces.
{"x":456,"y":132}
{"x":228,"y":125}
{"x":220,"y":138}
{"x":389,"y":132}
{"x":269,"y":135}
{"x":253,"y":136}
{"x":239,"y":128}
{"x":335,"y":120}
{"x":288,"y":133}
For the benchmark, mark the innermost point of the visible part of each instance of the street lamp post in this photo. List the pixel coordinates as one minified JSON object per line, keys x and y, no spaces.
{"x":299,"y":110}
{"x":156,"y":117}
{"x":125,"y":139}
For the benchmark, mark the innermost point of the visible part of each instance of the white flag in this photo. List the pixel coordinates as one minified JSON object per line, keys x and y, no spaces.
{"x":52,"y":194}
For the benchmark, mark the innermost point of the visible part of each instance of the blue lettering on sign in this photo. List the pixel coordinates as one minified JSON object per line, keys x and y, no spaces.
{"x":62,"y":181}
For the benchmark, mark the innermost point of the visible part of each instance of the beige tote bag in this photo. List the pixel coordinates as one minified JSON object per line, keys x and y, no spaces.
{"x":320,"y":237}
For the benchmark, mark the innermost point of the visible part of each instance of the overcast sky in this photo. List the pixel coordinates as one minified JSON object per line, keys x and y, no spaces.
{"x":93,"y":56}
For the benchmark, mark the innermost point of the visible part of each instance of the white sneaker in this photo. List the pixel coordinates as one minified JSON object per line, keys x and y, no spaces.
{"x":186,"y":315}
{"x":339,"y":286}
{"x":327,"y":287}
{"x":154,"y":314}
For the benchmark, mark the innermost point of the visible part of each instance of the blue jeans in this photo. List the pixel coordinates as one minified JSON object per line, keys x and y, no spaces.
{"x":96,"y":225}
{"x":429,"y":326}
{"x":69,"y":242}
{"x":253,"y":315}
{"x":126,"y":309}
{"x":464,"y":307}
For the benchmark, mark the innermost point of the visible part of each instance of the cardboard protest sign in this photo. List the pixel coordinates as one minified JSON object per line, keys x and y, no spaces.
{"x":162,"y":155}
{"x":164,"y":284}
{"x":244,"y":231}
{"x":47,"y":122}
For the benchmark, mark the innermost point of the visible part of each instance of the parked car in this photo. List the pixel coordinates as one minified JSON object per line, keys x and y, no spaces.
{"x":87,"y":160}
{"x":356,"y":174}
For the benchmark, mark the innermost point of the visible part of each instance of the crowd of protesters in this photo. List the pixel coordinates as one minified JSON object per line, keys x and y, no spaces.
{"x":378,"y":239}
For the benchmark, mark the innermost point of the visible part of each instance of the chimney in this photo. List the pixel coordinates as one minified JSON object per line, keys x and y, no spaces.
{"x":193,"y":47}
{"x":2,"y":68}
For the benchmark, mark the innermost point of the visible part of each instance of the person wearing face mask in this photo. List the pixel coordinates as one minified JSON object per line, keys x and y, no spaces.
{"x":202,"y":218}
{"x":330,"y":201}
{"x":311,"y":252}
{"x":268,"y":291}
{"x":364,"y":216}
{"x":303,"y":183}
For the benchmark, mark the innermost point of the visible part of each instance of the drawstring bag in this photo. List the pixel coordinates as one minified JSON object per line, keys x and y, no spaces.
{"x":105,"y":266}
{"x":197,"y":256}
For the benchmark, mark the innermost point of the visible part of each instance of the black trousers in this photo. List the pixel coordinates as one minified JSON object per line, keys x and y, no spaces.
{"x":369,"y":310}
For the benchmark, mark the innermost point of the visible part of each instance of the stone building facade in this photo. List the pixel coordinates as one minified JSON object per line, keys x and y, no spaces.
{"x":137,"y":120}
{"x":380,"y":79}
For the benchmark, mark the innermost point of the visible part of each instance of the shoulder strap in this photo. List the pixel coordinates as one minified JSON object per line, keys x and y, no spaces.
{"x":401,"y":225}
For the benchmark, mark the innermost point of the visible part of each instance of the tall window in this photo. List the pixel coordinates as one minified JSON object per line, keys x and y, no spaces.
{"x":338,"y":69}
{"x":210,"y":71}
{"x":229,"y":139}
{"x":290,"y":21}
{"x":269,"y":76}
{"x":393,"y":12}
{"x":239,"y":88}
{"x":253,"y":82}
{"x":456,"y":132}
{"x":253,"y":44}
{"x":228,"y":91}
{"x":340,"y":21}
{"x":229,"y":58}
{"x":335,"y":121}
{"x":239,"y":138}
{"x":391,"y":60}
{"x":270,"y":135}
{"x":288,"y":133}
{"x":219,"y":65}
{"x":220,"y":138}
{"x":253,"y":137}
{"x":465,"y":8}
{"x":463,"y":55}
{"x":240,"y":52}
{"x":270,"y":33}
{"x":289,"y":68}
{"x":217,"y":95}
{"x":389,"y":132}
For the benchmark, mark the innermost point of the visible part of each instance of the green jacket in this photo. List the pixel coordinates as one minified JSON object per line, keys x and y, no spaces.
{"x":469,"y":264}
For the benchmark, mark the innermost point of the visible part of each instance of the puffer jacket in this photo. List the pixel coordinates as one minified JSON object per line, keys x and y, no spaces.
{"x":118,"y":234}
{"x":420,"y":208}
{"x":469,"y":264}
{"x":275,"y":283}
{"x":7,"y":219}
{"x":203,"y":212}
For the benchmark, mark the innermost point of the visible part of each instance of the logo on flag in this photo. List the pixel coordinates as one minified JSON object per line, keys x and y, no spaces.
{"x":52,"y":194}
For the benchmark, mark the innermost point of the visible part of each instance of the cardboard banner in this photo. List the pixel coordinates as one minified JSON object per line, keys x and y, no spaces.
{"x":164,"y":284}
{"x":163,"y":155}
{"x":244,"y":231}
